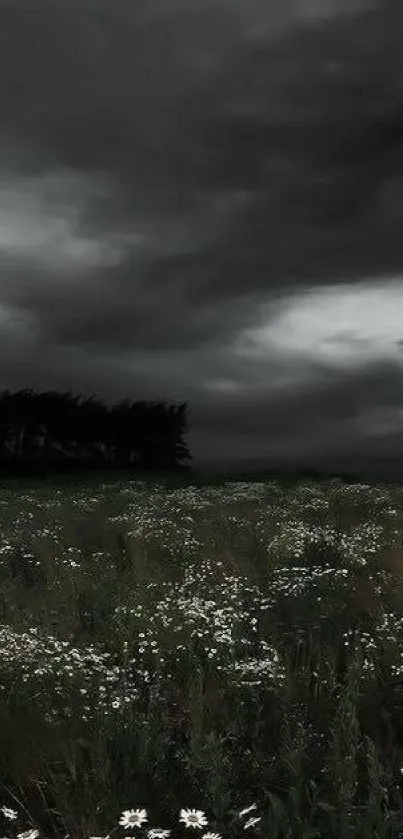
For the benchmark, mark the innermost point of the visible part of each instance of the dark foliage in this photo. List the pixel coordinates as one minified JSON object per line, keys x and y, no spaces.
{"x":47,"y":433}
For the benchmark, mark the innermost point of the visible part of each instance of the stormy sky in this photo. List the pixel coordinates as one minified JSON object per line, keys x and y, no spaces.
{"x":202,"y":200}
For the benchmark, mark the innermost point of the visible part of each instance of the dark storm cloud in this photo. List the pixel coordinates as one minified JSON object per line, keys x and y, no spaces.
{"x":341,"y":396}
{"x":308,"y":123}
{"x":174,"y":166}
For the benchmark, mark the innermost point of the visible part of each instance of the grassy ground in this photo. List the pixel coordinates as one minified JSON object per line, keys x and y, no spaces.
{"x":201,"y":644}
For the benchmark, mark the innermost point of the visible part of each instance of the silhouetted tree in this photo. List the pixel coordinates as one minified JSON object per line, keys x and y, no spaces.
{"x":161,"y":444}
{"x":58,"y":429}
{"x":16,"y":420}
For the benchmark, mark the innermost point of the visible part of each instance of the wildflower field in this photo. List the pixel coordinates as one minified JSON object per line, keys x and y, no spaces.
{"x":206,"y":658}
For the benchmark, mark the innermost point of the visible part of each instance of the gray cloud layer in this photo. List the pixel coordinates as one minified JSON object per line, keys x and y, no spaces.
{"x":173,"y":180}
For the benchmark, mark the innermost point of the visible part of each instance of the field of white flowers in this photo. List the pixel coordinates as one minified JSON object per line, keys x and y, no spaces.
{"x":206,"y":659}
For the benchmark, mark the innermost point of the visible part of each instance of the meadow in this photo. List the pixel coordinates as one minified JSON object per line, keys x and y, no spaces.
{"x":205,"y":657}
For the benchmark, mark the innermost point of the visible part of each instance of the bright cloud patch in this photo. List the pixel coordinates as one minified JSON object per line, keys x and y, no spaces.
{"x":40,"y":218}
{"x":340,"y":326}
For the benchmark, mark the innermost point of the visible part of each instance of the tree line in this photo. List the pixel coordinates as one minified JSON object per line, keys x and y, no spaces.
{"x":62,"y":430}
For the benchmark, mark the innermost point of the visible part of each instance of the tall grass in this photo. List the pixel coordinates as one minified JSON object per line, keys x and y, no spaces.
{"x":185,"y":649}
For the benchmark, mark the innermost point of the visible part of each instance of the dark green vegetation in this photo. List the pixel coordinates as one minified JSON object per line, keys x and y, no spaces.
{"x":196,"y":642}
